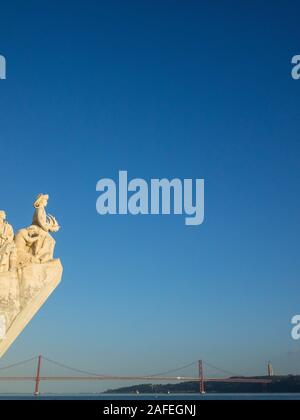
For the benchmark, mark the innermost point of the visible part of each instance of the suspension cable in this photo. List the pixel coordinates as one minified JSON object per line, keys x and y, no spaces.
{"x":72,"y":368}
{"x":220,"y":370}
{"x":173,"y":370}
{"x":19,"y":363}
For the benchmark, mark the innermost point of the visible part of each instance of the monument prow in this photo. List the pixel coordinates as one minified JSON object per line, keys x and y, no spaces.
{"x":28,"y":271}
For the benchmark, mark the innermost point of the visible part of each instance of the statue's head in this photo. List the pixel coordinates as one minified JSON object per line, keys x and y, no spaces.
{"x":2,"y":215}
{"x":41,"y":201}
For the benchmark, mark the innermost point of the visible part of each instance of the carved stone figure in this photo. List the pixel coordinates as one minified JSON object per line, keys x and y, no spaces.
{"x":7,"y":246}
{"x":28,"y":271}
{"x":44,"y":246}
{"x":24,"y":240}
{"x":35,"y":244}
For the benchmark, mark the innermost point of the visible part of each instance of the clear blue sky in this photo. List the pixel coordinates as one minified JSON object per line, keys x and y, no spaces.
{"x":188,"y":89}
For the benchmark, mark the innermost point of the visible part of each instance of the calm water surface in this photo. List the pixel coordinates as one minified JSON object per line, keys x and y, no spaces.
{"x":152,"y":397}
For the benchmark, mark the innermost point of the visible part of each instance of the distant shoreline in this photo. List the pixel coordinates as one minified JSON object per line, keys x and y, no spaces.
{"x":288,"y":384}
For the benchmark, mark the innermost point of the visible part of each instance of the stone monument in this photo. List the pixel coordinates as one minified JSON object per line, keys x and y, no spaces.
{"x":28,"y":271}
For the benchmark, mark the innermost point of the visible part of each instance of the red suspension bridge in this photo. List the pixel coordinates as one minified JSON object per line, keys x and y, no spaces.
{"x":82,"y":375}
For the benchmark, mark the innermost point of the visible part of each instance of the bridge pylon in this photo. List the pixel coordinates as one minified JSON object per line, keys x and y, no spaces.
{"x":201,"y":377}
{"x":38,"y":377}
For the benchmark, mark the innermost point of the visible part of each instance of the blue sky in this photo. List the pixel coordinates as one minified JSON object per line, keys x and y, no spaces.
{"x":161,"y":89}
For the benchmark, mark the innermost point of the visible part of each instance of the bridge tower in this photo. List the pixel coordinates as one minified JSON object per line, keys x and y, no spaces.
{"x":38,"y":376}
{"x":270,"y":369}
{"x":201,"y":377}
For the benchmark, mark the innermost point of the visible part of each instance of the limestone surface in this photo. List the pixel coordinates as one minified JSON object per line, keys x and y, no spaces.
{"x":23,"y":295}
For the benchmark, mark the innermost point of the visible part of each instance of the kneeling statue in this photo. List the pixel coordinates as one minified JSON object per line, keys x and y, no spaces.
{"x":35,"y":244}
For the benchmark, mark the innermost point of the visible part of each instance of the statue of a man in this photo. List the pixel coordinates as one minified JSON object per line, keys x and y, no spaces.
{"x":43,"y":248}
{"x":7,"y":245}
